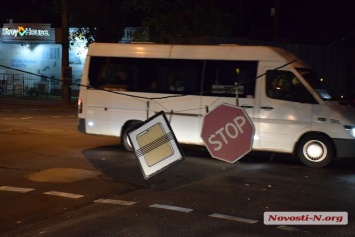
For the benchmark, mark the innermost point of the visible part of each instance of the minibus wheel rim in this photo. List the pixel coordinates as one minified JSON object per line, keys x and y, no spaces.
{"x":315,"y":151}
{"x":125,"y":138}
{"x":129,"y":142}
{"x":126,"y":142}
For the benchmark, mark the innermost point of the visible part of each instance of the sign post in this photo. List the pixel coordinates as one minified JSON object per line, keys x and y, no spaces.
{"x":228,"y":132}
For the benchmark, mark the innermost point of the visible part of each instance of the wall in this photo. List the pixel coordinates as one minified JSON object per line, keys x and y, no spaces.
{"x":40,"y":63}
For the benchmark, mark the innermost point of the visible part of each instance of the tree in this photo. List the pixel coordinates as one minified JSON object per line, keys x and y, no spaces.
{"x":102,"y":21}
{"x":186,"y":18}
{"x":94,"y":20}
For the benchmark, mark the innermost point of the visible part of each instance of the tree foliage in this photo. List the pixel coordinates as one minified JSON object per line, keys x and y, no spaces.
{"x":98,"y":20}
{"x":186,"y":18}
{"x":104,"y":20}
{"x":94,"y":20}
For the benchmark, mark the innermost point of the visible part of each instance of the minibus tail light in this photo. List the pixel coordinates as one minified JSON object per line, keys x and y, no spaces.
{"x":80,"y":106}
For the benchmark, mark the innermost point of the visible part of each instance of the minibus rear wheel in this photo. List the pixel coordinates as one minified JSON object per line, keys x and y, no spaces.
{"x":315,"y":150}
{"x":124,"y":138}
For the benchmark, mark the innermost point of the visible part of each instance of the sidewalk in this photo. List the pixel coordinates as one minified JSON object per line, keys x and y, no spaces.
{"x":52,"y":101}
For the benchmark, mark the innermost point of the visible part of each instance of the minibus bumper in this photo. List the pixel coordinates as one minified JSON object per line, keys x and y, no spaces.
{"x":81,"y":125}
{"x":345,"y":148}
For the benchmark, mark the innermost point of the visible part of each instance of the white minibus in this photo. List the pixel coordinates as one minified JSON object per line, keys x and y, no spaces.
{"x":293,"y":112}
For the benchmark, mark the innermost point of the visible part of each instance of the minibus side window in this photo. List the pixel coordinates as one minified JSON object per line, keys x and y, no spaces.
{"x":96,"y":71}
{"x":221,"y":76}
{"x":109,"y":73}
{"x":284,"y":85}
{"x":174,"y":76}
{"x":178,"y":76}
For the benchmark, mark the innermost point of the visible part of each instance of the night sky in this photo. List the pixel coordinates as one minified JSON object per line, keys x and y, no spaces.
{"x":320,"y":22}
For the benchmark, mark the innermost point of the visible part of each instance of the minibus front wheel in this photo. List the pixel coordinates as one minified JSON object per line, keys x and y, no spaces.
{"x":315,"y":150}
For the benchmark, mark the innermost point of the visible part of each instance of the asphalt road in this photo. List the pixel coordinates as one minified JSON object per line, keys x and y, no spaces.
{"x":55,"y":181}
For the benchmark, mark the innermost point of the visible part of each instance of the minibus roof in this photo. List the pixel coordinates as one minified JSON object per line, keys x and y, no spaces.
{"x":204,"y":52}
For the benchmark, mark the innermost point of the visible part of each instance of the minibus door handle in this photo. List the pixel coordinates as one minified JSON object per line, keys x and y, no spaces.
{"x":246,"y":106}
{"x":267,"y":107}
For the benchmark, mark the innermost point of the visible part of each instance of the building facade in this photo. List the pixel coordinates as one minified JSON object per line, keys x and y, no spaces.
{"x":31,"y":60}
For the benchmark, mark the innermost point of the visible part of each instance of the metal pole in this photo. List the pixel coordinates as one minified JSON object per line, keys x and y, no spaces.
{"x":236,"y":86}
{"x":148,"y":102}
{"x":236,"y":94}
{"x":66,"y":70}
{"x":276,"y":21}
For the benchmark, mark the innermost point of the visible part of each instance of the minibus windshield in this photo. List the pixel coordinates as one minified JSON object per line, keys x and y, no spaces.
{"x":316,"y":82}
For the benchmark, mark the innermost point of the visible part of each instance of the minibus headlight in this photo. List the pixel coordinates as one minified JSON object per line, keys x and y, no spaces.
{"x":350,"y":129}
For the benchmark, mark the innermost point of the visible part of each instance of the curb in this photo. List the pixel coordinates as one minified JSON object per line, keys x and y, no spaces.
{"x":34,"y":102}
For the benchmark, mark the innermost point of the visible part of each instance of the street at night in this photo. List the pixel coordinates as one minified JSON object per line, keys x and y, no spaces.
{"x":55,"y":181}
{"x":103,"y":105}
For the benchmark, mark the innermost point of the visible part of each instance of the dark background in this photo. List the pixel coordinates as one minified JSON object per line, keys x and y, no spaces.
{"x":318,"y":22}
{"x":320,"y":32}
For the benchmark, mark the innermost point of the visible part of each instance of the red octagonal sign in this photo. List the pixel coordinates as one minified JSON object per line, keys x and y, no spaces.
{"x":228,"y":132}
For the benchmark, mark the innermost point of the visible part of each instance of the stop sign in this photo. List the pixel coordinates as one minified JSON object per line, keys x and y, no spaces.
{"x":228,"y":132}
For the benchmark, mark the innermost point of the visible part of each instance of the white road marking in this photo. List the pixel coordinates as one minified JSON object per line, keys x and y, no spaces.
{"x":16,"y":189}
{"x":62,"y":194}
{"x":27,"y":118}
{"x":128,"y":203}
{"x":173,"y":208}
{"x":233,"y":218}
{"x":114,"y":201}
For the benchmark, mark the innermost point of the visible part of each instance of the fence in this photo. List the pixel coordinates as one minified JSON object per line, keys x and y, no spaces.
{"x":28,"y":85}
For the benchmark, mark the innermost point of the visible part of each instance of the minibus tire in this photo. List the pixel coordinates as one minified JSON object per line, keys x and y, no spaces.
{"x":126,"y":129}
{"x":323,"y":150}
{"x":125,"y":140}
